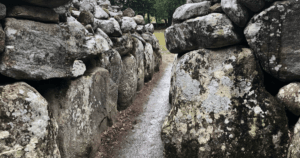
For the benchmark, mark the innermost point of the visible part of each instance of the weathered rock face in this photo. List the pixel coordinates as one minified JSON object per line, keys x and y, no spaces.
{"x":128,"y":25}
{"x":273,"y":35}
{"x":34,"y":13}
{"x":50,"y":50}
{"x":47,"y":3}
{"x":129,"y":12}
{"x":149,"y":28}
{"x":128,"y":82}
{"x":26,"y":130}
{"x":111,"y":27}
{"x":211,"y":31}
{"x":2,"y":11}
{"x":82,"y":112}
{"x":191,"y":10}
{"x":139,"y":19}
{"x":123,"y":44}
{"x":254,"y":5}
{"x":289,"y":96}
{"x":148,"y":62}
{"x":86,"y":17}
{"x":150,"y":38}
{"x":157,"y":60}
{"x":85,"y":5}
{"x":236,"y":12}
{"x":220,"y":108}
{"x":104,"y":35}
{"x":140,"y":29}
{"x":2,"y":39}
{"x":294,"y":148}
{"x":138,"y":53}
{"x":99,"y":13}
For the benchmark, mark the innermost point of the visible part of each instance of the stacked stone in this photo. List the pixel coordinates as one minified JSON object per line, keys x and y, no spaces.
{"x":92,"y":58}
{"x":220,"y":107}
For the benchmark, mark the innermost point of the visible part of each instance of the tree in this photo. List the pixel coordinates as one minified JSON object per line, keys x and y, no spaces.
{"x":164,"y":9}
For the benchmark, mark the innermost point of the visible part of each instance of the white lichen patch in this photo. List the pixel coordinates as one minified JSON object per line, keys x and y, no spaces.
{"x":277,"y":67}
{"x":4,"y":134}
{"x":78,"y":68}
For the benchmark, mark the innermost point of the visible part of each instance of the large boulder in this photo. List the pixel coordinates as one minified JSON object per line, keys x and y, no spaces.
{"x":2,"y":11}
{"x":47,"y":3}
{"x":49,"y":51}
{"x":2,"y":39}
{"x":111,"y":27}
{"x":290,"y":97}
{"x":27,"y":128}
{"x":138,"y":53}
{"x":82,"y":112}
{"x":33,"y":13}
{"x":139,"y":19}
{"x":190,"y":10}
{"x":129,"y":12}
{"x":123,"y":44}
{"x":220,"y":108}
{"x":294,"y":148}
{"x":236,"y":12}
{"x":148,"y":62}
{"x":274,"y":36}
{"x":150,"y":38}
{"x":99,"y":13}
{"x":211,"y":31}
{"x":128,"y":25}
{"x":128,"y":82}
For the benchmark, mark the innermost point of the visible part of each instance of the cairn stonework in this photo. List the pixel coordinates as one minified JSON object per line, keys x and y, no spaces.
{"x":67,"y":68}
{"x":229,"y":53}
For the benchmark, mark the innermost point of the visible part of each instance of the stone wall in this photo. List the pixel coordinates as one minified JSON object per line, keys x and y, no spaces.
{"x":67,"y":68}
{"x":228,"y":51}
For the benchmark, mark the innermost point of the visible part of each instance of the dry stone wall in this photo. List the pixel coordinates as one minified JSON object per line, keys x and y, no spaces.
{"x":67,"y":67}
{"x":227,"y":51}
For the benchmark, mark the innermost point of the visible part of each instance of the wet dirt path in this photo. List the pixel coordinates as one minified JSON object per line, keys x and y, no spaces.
{"x":144,"y":140}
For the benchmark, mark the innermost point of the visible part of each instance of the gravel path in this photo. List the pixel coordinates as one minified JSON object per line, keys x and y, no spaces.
{"x":144,"y":140}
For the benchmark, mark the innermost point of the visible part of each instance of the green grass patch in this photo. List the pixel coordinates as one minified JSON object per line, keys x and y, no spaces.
{"x":159,"y":34}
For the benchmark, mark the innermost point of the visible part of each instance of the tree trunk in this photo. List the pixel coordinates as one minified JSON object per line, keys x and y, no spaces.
{"x":166,"y":22}
{"x":148,"y":17}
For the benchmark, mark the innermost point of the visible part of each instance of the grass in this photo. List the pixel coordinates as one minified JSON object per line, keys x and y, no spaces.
{"x":159,"y":34}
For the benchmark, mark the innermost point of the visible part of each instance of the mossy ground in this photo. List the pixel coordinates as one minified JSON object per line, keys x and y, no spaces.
{"x":159,"y":34}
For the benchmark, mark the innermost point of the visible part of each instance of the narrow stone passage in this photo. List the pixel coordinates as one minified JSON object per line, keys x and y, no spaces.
{"x":144,"y":140}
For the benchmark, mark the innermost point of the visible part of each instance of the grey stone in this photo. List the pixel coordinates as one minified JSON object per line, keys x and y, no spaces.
{"x":86,"y":18}
{"x":148,"y":62}
{"x":139,"y":19}
{"x":211,"y":31}
{"x":149,"y":28}
{"x":2,"y":11}
{"x":191,"y":10}
{"x":128,"y":82}
{"x":49,"y":51}
{"x":99,"y":13}
{"x":34,"y":13}
{"x":82,"y":112}
{"x":150,"y":38}
{"x":289,"y":96}
{"x":27,"y":129}
{"x":236,"y":12}
{"x":64,"y":9}
{"x":140,"y":29}
{"x":129,"y":12}
{"x":220,"y":108}
{"x":123,"y":44}
{"x":254,"y":5}
{"x":157,"y":60}
{"x":85,"y":5}
{"x":273,"y":35}
{"x":2,"y":39}
{"x":103,"y":34}
{"x":113,"y":14}
{"x":138,"y":53}
{"x":128,"y":25}
{"x":111,"y":27}
{"x":139,"y":37}
{"x":216,"y":8}
{"x":294,"y":148}
{"x":104,"y":3}
{"x":75,"y":13}
{"x":47,"y":3}
{"x":90,"y":29}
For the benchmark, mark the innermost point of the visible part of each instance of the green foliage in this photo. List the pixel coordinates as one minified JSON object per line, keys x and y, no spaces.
{"x":165,"y":8}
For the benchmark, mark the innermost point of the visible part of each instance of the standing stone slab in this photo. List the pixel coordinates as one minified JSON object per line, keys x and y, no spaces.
{"x":138,"y":53}
{"x":149,"y":62}
{"x":82,"y":112}
{"x":34,"y":13}
{"x":220,"y":108}
{"x":128,"y":82}
{"x":211,"y":31}
{"x":37,"y":51}
{"x":191,"y":10}
{"x":274,"y":36}
{"x":157,"y":60}
{"x":123,"y":44}
{"x":151,"y":38}
{"x":290,"y":97}
{"x":236,"y":12}
{"x":26,"y":128}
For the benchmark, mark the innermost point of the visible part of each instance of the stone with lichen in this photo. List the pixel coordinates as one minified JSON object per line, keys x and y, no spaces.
{"x":290,"y":97}
{"x":221,"y":109}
